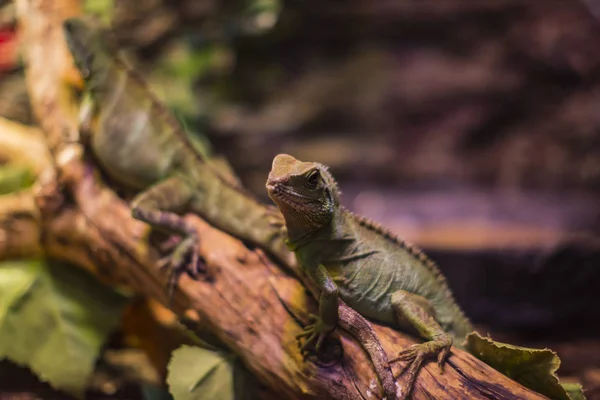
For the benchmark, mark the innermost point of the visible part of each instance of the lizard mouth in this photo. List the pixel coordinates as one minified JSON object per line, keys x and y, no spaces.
{"x":276,"y":190}
{"x":287,"y":195}
{"x":272,"y":187}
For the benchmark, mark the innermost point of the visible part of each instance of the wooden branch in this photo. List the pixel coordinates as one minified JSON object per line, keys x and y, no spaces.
{"x":20,"y":230}
{"x":243,"y":305}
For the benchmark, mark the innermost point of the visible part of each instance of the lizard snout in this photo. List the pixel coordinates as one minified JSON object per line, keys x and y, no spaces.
{"x":272,"y":187}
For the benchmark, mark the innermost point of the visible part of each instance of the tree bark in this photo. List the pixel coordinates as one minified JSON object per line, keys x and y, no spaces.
{"x":72,"y":215}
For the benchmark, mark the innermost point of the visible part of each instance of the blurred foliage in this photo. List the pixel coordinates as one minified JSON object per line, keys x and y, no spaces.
{"x":198,"y":373}
{"x":174,"y":77}
{"x":54,"y":318}
{"x":534,"y":368}
{"x":104,"y":9}
{"x":261,"y":15}
{"x":15,"y":177}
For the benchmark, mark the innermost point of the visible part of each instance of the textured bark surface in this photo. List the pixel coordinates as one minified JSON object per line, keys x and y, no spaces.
{"x":71,"y":215}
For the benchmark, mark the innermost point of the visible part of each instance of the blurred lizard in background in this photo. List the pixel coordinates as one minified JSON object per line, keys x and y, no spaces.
{"x":139,"y":143}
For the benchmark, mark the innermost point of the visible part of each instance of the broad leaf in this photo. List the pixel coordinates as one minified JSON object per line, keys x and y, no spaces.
{"x":533,"y":368}
{"x":574,"y":390}
{"x":53,"y":319}
{"x":196,"y":373}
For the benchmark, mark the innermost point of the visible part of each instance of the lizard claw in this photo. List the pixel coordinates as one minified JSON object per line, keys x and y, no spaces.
{"x":169,"y":245}
{"x":442,"y":357}
{"x":416,"y":354}
{"x":185,"y":258}
{"x":318,"y":331}
{"x":172,"y":279}
{"x":164,"y":263}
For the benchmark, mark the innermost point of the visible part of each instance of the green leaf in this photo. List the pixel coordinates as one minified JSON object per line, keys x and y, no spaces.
{"x":195,"y":373}
{"x":53,"y":319}
{"x":574,"y":390}
{"x":533,"y":368}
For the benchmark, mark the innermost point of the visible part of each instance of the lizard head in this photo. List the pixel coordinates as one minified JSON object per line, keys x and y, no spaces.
{"x":86,"y":43}
{"x":305,"y":192}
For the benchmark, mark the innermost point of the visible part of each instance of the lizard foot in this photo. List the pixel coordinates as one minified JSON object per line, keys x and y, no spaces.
{"x":169,"y":245}
{"x":318,"y":331}
{"x":184,"y":258}
{"x":415,"y":355}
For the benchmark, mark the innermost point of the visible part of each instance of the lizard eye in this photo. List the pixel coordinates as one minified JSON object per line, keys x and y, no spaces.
{"x":313,"y":178}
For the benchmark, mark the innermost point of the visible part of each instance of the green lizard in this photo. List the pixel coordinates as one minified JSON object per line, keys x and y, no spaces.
{"x":139,"y":144}
{"x":385,"y":279}
{"x":372,"y":270}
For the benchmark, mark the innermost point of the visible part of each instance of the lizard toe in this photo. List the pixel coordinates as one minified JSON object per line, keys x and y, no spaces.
{"x":308,"y":331}
{"x":412,"y":370}
{"x":305,"y":348}
{"x":406,"y":355}
{"x":164,"y":263}
{"x":442,"y":357}
{"x":169,"y":245}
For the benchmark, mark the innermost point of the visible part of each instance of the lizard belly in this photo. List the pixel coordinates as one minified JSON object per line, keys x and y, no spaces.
{"x":376,"y":309}
{"x":368,"y":294}
{"x":369,"y":291}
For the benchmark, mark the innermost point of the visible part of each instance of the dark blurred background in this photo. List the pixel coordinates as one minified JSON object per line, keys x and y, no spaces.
{"x":471,"y":128}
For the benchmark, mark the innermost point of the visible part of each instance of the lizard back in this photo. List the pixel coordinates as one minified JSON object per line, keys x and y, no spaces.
{"x":377,"y":263}
{"x":141,"y":143}
{"x":139,"y":134}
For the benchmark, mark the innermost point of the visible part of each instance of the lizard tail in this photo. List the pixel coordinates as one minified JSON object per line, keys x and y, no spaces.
{"x":359,"y":327}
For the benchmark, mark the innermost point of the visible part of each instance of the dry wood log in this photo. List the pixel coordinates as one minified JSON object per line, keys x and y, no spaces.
{"x":77,"y":218}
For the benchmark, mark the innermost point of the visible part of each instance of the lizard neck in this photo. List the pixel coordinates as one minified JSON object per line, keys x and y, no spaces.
{"x":301,"y":233}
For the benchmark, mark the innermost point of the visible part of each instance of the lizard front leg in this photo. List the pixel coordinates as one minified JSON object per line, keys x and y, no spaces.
{"x":416,"y":312}
{"x":326,"y":321}
{"x":157,"y":206}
